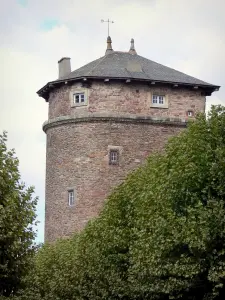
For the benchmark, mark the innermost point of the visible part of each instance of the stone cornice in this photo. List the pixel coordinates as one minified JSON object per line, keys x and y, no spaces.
{"x":111,"y":117}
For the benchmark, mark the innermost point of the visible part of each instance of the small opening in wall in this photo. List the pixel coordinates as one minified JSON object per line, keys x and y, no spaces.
{"x":190,"y":113}
{"x":71,"y":197}
{"x":137,"y":91}
{"x":114,"y":157}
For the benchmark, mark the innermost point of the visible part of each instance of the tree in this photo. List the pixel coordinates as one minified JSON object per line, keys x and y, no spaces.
{"x":17,"y":217}
{"x":160,"y":235}
{"x":178,"y":248}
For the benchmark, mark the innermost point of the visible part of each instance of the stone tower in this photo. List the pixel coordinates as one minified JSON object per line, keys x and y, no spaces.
{"x":104,"y":120}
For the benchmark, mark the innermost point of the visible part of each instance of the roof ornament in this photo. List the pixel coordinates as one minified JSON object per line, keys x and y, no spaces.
{"x":108,"y":21}
{"x":109,"y":46}
{"x":109,"y":41}
{"x":132,"y":49}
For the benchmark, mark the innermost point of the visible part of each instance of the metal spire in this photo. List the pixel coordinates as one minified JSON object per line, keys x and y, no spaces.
{"x":107,"y":21}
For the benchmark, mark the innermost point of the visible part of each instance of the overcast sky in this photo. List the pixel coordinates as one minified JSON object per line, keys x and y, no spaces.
{"x":188,"y":35}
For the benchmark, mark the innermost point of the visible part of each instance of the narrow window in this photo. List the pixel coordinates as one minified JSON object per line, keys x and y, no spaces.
{"x":114,"y":157}
{"x":82,"y":97}
{"x":71,"y":197}
{"x":77,"y":98}
{"x":154,"y":99}
{"x":161,"y":100}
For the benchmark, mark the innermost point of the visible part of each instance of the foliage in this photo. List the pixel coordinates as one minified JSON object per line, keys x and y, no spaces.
{"x":17,"y":215}
{"x":161,"y":234}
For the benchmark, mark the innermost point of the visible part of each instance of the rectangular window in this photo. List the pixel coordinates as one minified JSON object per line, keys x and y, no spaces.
{"x":71,"y":197}
{"x":79,"y":98}
{"x":158,"y":99}
{"x":114,"y":157}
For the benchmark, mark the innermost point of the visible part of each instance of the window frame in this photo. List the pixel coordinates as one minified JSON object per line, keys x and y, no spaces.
{"x":71,"y":192}
{"x":158,"y":100}
{"x":112,"y":161}
{"x":78,"y":90}
{"x":79,"y":94}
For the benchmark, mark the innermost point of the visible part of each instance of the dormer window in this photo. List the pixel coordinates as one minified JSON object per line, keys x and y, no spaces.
{"x":158,"y":99}
{"x":79,"y":99}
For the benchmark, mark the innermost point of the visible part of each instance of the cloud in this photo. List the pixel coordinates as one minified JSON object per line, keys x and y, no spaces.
{"x":34,"y":35}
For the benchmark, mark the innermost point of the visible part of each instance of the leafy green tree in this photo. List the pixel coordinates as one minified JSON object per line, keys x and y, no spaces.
{"x":160,"y":235}
{"x":17,"y":217}
{"x":178,"y":248}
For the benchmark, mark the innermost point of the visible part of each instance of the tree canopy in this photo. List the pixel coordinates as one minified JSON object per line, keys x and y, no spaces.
{"x":17,"y":217}
{"x":160,"y":235}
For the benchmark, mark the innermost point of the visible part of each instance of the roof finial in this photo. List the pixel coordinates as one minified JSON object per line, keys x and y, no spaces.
{"x":108,"y":21}
{"x":132,"y":49}
{"x":109,"y":46}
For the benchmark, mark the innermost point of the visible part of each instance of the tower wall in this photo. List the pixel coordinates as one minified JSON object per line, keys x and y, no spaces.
{"x":126,"y":98}
{"x":118,"y":115}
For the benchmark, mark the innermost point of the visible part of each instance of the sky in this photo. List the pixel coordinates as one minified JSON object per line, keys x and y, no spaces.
{"x":187,"y":35}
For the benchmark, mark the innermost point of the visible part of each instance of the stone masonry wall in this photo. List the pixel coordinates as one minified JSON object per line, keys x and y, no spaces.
{"x":134,"y":98}
{"x":77,"y":153}
{"x":77,"y":157}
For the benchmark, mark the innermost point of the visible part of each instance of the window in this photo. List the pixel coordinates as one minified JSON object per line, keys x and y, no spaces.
{"x":71,"y":197}
{"x":114,"y":157}
{"x":79,"y":99}
{"x":78,"y":96}
{"x":156,"y":99}
{"x":190,"y":113}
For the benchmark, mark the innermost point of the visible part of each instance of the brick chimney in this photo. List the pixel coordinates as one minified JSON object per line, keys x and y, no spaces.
{"x":64,"y":66}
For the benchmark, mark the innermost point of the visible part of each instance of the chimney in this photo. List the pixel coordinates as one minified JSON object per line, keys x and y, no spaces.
{"x":64,"y":66}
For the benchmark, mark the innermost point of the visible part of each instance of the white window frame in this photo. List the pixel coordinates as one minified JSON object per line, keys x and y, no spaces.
{"x":82,"y":99}
{"x":113,"y":156}
{"x":158,"y":99}
{"x":71,"y":197}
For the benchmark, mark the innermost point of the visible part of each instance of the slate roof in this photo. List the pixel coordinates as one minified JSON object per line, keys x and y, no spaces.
{"x":124,"y":65}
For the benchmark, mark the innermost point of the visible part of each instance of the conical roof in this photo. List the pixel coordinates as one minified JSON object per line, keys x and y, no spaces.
{"x":128,"y":65}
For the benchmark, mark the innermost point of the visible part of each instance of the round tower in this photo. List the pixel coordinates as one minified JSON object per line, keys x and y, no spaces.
{"x":104,"y":120}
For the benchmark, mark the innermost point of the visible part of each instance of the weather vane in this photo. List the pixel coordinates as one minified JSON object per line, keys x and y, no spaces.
{"x":108,"y":21}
